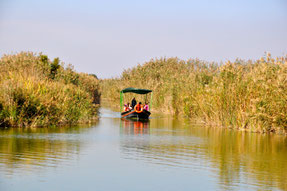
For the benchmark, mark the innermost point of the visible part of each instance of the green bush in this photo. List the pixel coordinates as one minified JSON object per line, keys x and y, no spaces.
{"x":37,"y":92}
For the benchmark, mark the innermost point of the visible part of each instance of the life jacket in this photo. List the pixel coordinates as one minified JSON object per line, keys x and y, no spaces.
{"x":138,"y":107}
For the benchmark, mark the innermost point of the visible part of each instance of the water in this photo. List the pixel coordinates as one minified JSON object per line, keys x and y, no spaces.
{"x":162,"y":154}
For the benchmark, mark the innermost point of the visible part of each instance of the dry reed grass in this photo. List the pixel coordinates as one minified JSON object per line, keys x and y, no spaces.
{"x":242,"y":94}
{"x":36,"y":91}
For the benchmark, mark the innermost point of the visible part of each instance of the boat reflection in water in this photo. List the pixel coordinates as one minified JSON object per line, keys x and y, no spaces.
{"x":134,"y":127}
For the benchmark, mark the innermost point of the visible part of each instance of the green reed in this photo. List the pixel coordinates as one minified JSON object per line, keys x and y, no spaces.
{"x":242,"y":94}
{"x":36,"y":91}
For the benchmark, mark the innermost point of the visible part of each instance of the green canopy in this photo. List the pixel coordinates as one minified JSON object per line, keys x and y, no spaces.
{"x":135,"y":90}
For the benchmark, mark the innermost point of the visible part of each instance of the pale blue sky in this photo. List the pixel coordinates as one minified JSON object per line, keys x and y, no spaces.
{"x":105,"y":37}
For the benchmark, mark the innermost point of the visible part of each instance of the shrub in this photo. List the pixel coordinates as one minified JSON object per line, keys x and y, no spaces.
{"x":36,"y":91}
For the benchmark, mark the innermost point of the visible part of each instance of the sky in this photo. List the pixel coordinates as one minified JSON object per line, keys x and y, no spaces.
{"x":106,"y":37}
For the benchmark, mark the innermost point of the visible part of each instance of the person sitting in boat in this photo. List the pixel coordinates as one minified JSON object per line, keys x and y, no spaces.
{"x":127,"y":107}
{"x":134,"y":102}
{"x":139,"y":107}
{"x":146,"y":106}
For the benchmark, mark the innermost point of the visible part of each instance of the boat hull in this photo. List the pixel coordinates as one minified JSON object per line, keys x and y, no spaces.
{"x":133,"y":114}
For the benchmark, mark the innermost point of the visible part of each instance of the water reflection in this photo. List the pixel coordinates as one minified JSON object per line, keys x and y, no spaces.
{"x":134,"y":127}
{"x":32,"y":149}
{"x":161,"y":142}
{"x":237,"y":159}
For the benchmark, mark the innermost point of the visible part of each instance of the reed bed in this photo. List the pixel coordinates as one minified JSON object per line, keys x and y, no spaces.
{"x":248,"y":95}
{"x":36,"y":91}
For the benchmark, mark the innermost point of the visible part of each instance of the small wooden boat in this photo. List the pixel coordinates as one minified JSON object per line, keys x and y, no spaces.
{"x":144,"y":114}
{"x":134,"y":113}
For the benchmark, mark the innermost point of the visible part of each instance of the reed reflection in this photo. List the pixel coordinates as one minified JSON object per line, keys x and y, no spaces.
{"x":235,"y":158}
{"x":31,"y":149}
{"x":158,"y":141}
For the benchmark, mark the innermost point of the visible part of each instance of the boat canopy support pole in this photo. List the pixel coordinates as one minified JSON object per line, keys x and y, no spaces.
{"x":150,"y":101}
{"x":121,"y":100}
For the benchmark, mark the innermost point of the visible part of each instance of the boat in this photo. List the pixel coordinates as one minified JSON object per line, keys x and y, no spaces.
{"x":134,"y":113}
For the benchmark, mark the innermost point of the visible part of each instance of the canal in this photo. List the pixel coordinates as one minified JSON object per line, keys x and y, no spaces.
{"x":162,"y":154}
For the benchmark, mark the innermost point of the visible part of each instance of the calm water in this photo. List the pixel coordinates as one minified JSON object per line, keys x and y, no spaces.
{"x":162,"y":154}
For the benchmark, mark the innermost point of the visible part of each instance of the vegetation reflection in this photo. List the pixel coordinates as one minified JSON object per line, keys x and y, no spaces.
{"x":33,"y":148}
{"x":235,"y":157}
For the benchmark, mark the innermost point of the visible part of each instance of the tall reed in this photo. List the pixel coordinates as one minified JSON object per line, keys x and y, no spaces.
{"x":241,"y":94}
{"x":37,"y":91}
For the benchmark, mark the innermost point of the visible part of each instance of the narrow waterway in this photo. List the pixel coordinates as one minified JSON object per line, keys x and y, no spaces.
{"x":160,"y":154}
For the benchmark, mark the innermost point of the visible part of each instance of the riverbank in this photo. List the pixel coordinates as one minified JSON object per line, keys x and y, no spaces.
{"x":36,"y":91}
{"x":247,"y":95}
